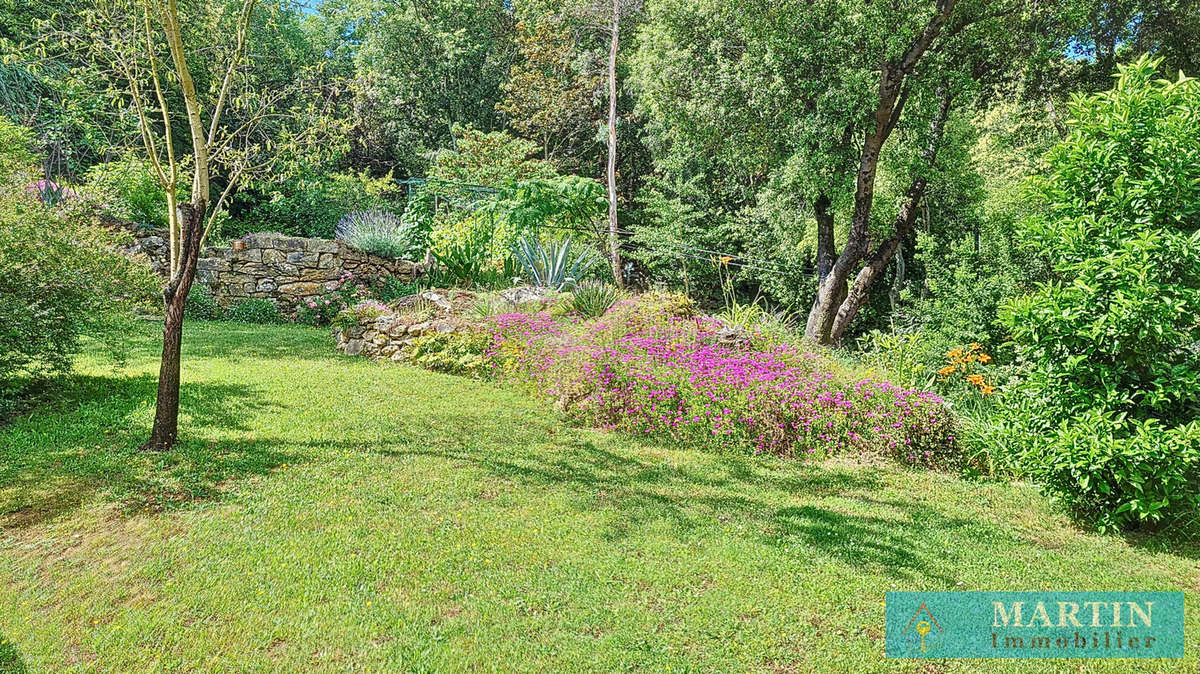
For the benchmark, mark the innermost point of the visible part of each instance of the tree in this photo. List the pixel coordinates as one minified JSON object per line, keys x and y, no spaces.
{"x":422,"y":68}
{"x":551,"y":96}
{"x":817,"y":100}
{"x":199,"y":110}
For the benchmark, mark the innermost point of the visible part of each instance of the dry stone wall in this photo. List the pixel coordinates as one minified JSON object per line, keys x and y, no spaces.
{"x":284,"y":269}
{"x":389,"y":336}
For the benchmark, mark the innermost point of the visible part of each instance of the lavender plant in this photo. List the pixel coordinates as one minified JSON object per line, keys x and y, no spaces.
{"x":378,"y":231}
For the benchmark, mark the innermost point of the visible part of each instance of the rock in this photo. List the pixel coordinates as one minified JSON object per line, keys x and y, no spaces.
{"x":212,"y":264}
{"x":418,"y":328}
{"x":524,"y":295}
{"x":354,"y":347}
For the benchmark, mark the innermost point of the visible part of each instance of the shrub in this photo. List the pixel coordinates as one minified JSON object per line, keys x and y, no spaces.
{"x":592,"y":298}
{"x":60,"y":278}
{"x":128,"y":189}
{"x":255,"y":310}
{"x":201,"y":305}
{"x":463,"y":352}
{"x":465,"y":260}
{"x":321,"y":310}
{"x":1116,"y":472}
{"x":1111,"y":337}
{"x":363,"y":311}
{"x":379,"y":232}
{"x":392,"y":288}
{"x":554,"y":264}
{"x":306,"y":202}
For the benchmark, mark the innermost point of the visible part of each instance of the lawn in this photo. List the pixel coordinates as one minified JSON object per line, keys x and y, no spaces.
{"x":328,"y":513}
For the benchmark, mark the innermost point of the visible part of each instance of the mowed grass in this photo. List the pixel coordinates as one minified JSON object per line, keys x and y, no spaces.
{"x":326,"y":513}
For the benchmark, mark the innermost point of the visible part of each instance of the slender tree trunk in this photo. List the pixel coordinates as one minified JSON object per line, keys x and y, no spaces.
{"x":614,"y":242}
{"x":859,"y":290}
{"x":166,"y":413}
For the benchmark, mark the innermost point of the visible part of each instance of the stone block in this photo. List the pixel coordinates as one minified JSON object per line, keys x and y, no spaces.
{"x":354,"y":347}
{"x":212,"y":264}
{"x":301,"y":288}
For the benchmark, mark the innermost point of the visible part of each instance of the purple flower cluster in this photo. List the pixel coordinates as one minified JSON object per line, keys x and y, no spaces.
{"x":654,"y":375}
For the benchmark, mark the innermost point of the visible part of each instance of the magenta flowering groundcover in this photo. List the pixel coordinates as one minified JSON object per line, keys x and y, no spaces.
{"x":672,"y":376}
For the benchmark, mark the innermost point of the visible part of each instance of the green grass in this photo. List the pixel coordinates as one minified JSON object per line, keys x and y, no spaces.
{"x":327,"y":513}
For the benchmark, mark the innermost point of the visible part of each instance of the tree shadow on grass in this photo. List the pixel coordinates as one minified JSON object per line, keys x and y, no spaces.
{"x":84,"y":444}
{"x":10,"y":658}
{"x":747,"y":496}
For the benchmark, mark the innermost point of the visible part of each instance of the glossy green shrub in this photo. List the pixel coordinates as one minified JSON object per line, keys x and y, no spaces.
{"x":1110,"y":342}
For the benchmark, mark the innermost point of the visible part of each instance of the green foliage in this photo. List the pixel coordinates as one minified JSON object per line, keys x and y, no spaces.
{"x":16,"y":149}
{"x":1120,"y":472}
{"x":465,"y":260}
{"x":591,"y":299}
{"x":392,"y":288}
{"x":201,"y":305}
{"x":490,"y":182}
{"x":421,"y":71}
{"x":1111,"y":337}
{"x":459,"y":352}
{"x":553,"y":264}
{"x":60,"y":278}
{"x":128,"y":189}
{"x":257,"y":310}
{"x":363,"y":311}
{"x":307,"y":202}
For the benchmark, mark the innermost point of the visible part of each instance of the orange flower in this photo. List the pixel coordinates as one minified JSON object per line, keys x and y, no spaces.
{"x":984,"y":358}
{"x":987,"y":389}
{"x":976,"y":379}
{"x":948,"y":370}
{"x":954,"y":353}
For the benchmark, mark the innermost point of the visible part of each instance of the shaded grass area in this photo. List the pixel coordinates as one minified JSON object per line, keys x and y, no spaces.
{"x":328,"y":514}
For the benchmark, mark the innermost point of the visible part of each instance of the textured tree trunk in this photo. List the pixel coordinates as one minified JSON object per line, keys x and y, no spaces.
{"x":166,"y":413}
{"x":825,"y":258}
{"x":836,"y":304}
{"x":614,"y":241}
{"x":859,"y":290}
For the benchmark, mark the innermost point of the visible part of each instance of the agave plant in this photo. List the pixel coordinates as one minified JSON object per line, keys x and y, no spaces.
{"x":552,"y":265}
{"x":378,"y":231}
